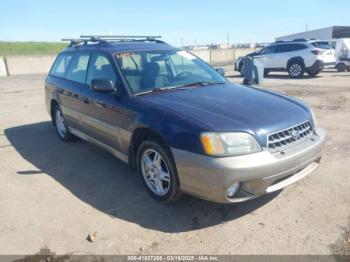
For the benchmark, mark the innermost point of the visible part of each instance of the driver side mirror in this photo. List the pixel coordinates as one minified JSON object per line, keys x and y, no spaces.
{"x":102,"y":85}
{"x":221,"y":71}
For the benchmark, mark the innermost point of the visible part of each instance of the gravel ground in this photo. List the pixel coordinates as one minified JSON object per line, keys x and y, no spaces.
{"x":53,"y":194}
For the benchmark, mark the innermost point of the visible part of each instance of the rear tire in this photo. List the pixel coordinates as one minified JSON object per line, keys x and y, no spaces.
{"x":241,"y":69}
{"x":157,"y":170}
{"x":61,"y":125}
{"x":296,"y":69}
{"x":341,"y":67}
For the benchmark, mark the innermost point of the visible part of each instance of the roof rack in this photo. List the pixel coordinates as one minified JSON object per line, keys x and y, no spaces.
{"x":85,"y":39}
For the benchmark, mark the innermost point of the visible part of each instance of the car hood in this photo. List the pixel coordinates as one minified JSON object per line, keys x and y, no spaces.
{"x":230,"y":107}
{"x":253,"y":54}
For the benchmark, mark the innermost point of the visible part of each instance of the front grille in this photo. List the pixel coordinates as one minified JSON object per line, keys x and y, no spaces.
{"x":290,"y":136}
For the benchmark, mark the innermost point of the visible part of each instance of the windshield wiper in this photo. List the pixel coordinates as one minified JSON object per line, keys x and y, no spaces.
{"x":157,"y":89}
{"x":202,"y":83}
{"x":166,"y":88}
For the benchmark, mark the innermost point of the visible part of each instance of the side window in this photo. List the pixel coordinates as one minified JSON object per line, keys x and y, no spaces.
{"x":78,"y":67}
{"x":61,"y":64}
{"x":285,"y":48}
{"x":130,"y":61}
{"x":269,"y":50}
{"x":298,"y":47}
{"x":132,"y":66}
{"x":100,"y":68}
{"x":280,"y":48}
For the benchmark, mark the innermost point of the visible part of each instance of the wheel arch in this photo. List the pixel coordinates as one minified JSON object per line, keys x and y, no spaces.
{"x":341,"y":66}
{"x":141,"y":134}
{"x":53,"y":103}
{"x":295,"y":59}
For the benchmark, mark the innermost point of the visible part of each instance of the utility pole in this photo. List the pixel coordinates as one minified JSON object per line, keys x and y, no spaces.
{"x":306,"y":28}
{"x":181,"y":40}
{"x":228,"y":40}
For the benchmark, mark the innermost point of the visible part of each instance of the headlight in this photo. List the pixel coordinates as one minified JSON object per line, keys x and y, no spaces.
{"x":229,"y":144}
{"x":313,"y":117}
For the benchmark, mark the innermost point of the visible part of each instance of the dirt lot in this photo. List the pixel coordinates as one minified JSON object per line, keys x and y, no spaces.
{"x":54,"y":194}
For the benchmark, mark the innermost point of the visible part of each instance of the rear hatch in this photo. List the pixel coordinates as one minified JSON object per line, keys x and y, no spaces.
{"x":324,"y":52}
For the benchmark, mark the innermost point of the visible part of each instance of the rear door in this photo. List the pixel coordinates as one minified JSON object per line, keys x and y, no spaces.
{"x":75,"y":81}
{"x":67,"y":91}
{"x":283,"y":54}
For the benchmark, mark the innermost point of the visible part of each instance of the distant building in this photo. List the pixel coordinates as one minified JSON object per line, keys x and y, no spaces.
{"x":225,"y":46}
{"x":200,"y":47}
{"x":327,"y":33}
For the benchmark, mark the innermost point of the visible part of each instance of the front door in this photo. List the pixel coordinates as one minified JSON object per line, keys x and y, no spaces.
{"x":102,"y":117}
{"x":269,"y":56}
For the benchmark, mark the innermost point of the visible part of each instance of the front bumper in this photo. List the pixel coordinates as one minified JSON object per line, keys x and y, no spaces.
{"x":259,"y":173}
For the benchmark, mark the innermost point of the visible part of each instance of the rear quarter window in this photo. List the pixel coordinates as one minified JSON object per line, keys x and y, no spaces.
{"x":322,"y":45}
{"x":61,"y":65}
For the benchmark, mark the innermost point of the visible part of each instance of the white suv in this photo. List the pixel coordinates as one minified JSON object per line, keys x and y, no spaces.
{"x":296,"y":57}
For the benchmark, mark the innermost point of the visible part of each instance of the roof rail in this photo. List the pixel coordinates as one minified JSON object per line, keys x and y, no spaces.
{"x":85,"y":39}
{"x":121,"y":37}
{"x":300,"y":40}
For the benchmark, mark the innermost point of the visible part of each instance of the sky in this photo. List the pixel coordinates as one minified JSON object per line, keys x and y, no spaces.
{"x":186,"y":21}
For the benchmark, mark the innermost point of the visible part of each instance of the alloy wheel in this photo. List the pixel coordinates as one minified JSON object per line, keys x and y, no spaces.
{"x":155,"y":172}
{"x":295,"y":70}
{"x":60,"y":125}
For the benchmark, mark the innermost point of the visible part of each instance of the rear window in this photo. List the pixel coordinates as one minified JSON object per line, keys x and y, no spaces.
{"x":322,"y":45}
{"x":61,"y":64}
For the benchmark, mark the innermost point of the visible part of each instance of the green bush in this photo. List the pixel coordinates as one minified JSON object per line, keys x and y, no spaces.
{"x":30,"y":48}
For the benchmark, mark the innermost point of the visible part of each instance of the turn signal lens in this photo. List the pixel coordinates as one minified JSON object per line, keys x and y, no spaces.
{"x":212,"y":144}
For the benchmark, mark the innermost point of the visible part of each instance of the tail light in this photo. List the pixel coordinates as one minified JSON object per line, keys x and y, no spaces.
{"x":317,"y":52}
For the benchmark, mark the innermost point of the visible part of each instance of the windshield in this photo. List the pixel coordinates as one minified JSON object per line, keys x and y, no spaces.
{"x":151,"y":70}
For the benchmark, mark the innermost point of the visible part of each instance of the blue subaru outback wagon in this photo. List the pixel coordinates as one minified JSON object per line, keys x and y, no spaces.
{"x":178,"y":122}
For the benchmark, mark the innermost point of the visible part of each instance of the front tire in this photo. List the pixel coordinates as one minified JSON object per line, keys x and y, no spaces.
{"x":296,"y":69}
{"x":61,"y":125}
{"x":157,"y":170}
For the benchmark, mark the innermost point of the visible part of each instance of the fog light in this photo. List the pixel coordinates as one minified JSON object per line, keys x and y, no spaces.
{"x":233,"y":189}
